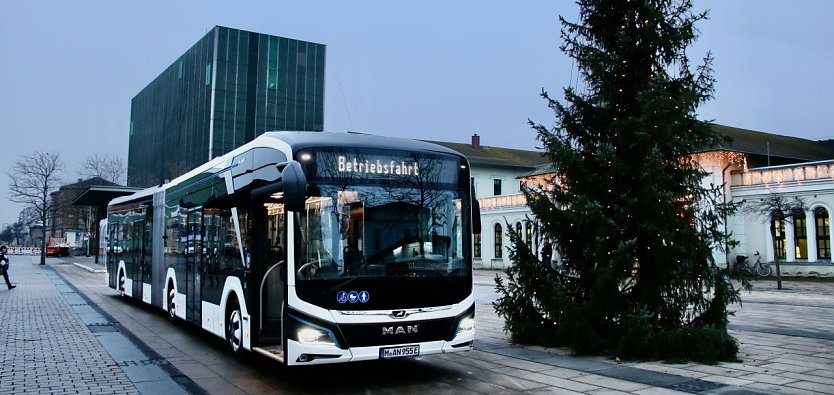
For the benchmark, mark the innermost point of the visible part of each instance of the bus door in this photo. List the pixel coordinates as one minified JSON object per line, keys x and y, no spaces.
{"x":272,"y":270}
{"x":193,"y":265}
{"x":133,"y":257}
{"x":145,"y":244}
{"x":112,"y":241}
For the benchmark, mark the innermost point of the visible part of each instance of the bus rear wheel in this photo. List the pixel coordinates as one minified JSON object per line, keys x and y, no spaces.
{"x":234,"y":331}
{"x":121,"y":284}
{"x":172,"y":306}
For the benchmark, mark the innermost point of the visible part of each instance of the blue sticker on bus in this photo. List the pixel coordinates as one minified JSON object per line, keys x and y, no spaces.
{"x":341,"y":297}
{"x":364,"y":296}
{"x":353,"y":296}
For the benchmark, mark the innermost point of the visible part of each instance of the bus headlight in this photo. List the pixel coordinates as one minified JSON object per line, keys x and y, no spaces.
{"x":311,"y":331}
{"x":314,"y":337}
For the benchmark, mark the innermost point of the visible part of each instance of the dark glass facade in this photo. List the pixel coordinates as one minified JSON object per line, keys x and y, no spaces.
{"x":231,"y":86}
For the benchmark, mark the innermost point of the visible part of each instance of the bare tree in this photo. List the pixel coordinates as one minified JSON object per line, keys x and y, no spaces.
{"x":108,"y":167}
{"x":17,"y":230}
{"x":6,"y":235}
{"x":779,"y":208}
{"x":28,"y":216}
{"x":33,"y":178}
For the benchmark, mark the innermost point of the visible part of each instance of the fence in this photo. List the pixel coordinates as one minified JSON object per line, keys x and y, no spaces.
{"x":24,"y":251}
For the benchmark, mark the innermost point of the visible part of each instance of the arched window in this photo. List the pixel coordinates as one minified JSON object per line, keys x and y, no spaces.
{"x":498,"y":242}
{"x":823,"y":233}
{"x":518,"y":231}
{"x":800,"y":235}
{"x":777,"y":227}
{"x":528,"y":235}
{"x":477,"y":239}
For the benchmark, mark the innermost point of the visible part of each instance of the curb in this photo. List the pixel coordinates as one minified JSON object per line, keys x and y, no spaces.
{"x":89,"y":269}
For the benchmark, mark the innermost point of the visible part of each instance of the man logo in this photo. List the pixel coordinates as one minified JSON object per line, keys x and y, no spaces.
{"x":399,"y":330}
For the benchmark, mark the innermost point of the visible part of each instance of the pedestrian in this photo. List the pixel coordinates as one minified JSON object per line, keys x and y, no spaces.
{"x":547,"y":253}
{"x":4,"y":266}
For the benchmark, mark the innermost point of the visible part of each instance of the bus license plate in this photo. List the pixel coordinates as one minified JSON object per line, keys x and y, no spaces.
{"x":396,"y":352}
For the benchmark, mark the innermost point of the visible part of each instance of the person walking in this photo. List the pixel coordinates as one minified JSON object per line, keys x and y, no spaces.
{"x":547,"y":254}
{"x":4,"y":266}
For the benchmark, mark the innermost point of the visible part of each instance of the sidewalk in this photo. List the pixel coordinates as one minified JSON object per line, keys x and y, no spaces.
{"x":786,"y":341}
{"x":56,"y":342}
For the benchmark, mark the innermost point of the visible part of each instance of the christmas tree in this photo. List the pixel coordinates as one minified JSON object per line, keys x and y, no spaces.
{"x":626,"y":207}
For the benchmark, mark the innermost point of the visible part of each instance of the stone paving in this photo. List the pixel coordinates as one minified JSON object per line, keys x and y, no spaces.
{"x":59,"y":343}
{"x":56,"y":341}
{"x":786,"y":340}
{"x":47,"y":348}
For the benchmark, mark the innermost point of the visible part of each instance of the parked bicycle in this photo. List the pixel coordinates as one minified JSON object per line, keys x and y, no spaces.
{"x":761,"y":268}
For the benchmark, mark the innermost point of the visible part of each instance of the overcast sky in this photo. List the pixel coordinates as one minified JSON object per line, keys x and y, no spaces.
{"x":439,"y":70}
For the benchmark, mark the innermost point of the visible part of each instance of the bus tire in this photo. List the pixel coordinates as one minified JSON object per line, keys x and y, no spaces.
{"x":121,"y":284}
{"x":171,"y":302}
{"x":234,"y":330}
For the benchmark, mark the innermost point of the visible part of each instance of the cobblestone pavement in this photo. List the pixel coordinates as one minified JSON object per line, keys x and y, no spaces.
{"x":47,"y":348}
{"x":59,"y":343}
{"x":59,"y":338}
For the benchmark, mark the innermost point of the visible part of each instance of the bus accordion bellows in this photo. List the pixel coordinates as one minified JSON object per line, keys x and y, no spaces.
{"x":308,"y":247}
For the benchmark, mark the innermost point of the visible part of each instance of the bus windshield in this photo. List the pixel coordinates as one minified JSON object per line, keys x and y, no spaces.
{"x":390,"y":228}
{"x":375,"y":231}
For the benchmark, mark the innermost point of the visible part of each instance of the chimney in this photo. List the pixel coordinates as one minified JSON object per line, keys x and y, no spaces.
{"x":476,"y":141}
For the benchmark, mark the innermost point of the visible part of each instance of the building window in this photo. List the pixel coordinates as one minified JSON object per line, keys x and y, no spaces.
{"x":518,"y":231}
{"x":528,"y":236}
{"x":496,"y":187}
{"x":272,"y":61}
{"x":477,"y":238}
{"x":272,"y":79}
{"x":179,"y":70}
{"x":778,"y":228}
{"x":208,"y":74}
{"x":800,"y":235}
{"x":823,"y":233}
{"x":498,"y":242}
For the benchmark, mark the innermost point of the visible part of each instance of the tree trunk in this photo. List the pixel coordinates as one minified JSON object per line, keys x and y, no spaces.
{"x":44,"y":240}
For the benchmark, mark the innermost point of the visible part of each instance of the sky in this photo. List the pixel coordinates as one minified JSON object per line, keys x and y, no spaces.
{"x":431,"y":69}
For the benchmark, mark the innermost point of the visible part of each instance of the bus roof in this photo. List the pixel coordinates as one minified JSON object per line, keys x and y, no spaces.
{"x":301,"y":140}
{"x":296,"y":141}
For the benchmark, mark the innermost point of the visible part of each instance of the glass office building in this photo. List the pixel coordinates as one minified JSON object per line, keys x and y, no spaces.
{"x":231,"y":86}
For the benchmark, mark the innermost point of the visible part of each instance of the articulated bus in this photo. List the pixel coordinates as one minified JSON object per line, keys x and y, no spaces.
{"x":308,"y":247}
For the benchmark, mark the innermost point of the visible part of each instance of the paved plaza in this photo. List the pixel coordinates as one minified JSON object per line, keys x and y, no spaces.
{"x":786,"y":340}
{"x":58,"y":340}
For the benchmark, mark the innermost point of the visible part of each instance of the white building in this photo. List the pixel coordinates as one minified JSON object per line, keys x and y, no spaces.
{"x":497,"y":175}
{"x":754,"y":165}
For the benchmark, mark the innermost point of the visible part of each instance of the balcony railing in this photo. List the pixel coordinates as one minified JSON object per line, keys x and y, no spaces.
{"x":496,"y":202}
{"x":787,"y":173}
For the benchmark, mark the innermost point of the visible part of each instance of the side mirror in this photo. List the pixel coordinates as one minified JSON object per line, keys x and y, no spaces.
{"x":295,"y":186}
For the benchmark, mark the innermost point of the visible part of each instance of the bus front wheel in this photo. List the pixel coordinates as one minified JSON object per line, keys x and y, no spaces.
{"x":234,"y":331}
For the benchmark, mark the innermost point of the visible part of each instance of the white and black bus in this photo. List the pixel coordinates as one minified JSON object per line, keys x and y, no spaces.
{"x":308,"y":247}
